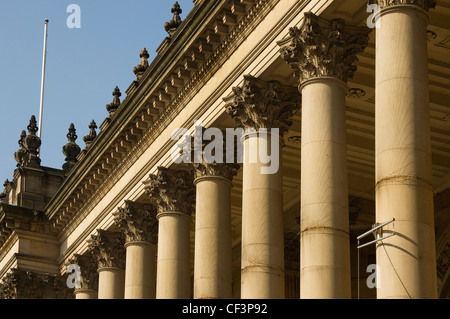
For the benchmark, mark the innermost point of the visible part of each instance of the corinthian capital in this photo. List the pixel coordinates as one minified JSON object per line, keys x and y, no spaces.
{"x":210,"y":157}
{"x":424,"y":4}
{"x":138,"y":222}
{"x":88,"y":270}
{"x":259,"y":104}
{"x":322,"y":48}
{"x":108,"y":249}
{"x":171,"y":191}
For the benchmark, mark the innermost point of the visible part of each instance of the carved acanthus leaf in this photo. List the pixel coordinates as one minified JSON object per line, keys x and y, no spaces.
{"x":259,"y":104}
{"x":88,"y":267}
{"x":171,"y":191}
{"x":138,"y":222}
{"x":108,"y":248}
{"x":322,"y":48}
{"x":209,"y":163}
{"x":23,"y":284}
{"x":424,"y":4}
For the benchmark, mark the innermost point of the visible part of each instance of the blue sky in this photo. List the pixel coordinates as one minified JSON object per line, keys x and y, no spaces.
{"x":83,"y":66}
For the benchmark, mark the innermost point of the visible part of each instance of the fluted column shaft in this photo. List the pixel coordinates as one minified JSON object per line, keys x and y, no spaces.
{"x":407,"y":261}
{"x":322,"y":53}
{"x":259,"y":106}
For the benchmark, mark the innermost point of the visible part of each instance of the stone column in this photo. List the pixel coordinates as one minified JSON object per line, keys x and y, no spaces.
{"x":262,"y":109}
{"x":213,"y":181}
{"x":139,"y":224}
{"x":88,"y":276}
{"x":322,"y":54}
{"x":407,"y":261}
{"x":108,"y":249}
{"x":173,"y":194}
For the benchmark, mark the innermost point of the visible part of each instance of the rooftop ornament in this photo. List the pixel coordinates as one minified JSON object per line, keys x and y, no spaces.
{"x":27,"y":155}
{"x":88,"y":139}
{"x":140,"y":68}
{"x":71,"y":149}
{"x":21,"y":153}
{"x":173,"y":24}
{"x":116,"y":101}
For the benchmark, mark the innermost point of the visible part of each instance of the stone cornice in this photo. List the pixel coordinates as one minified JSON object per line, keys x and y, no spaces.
{"x":171,"y":191}
{"x":108,"y":249}
{"x":142,"y":114}
{"x":322,"y":48}
{"x":136,"y":123}
{"x":138,"y":222}
{"x":259,"y":104}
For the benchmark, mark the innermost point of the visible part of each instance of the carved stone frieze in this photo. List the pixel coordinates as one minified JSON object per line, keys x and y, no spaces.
{"x":108,"y":249}
{"x":171,"y":191}
{"x":263,"y":104}
{"x":23,"y":284}
{"x":138,"y":222}
{"x":322,"y":48}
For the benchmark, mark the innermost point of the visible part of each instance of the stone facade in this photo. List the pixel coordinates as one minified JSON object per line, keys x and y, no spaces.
{"x":356,"y":142}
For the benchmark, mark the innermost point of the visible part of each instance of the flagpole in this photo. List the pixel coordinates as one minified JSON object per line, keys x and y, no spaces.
{"x":44,"y":57}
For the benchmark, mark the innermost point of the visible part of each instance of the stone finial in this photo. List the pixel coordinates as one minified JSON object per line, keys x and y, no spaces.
{"x":259,"y":104}
{"x":210,"y":157}
{"x":88,"y":139}
{"x":112,"y":107}
{"x":173,"y":24}
{"x":140,"y":68}
{"x":424,"y":4}
{"x":138,"y":222}
{"x":32,"y":142}
{"x":71,"y":149}
{"x":322,"y":48}
{"x":171,"y":191}
{"x":21,"y":153}
{"x":108,"y":248}
{"x":88,"y":267}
